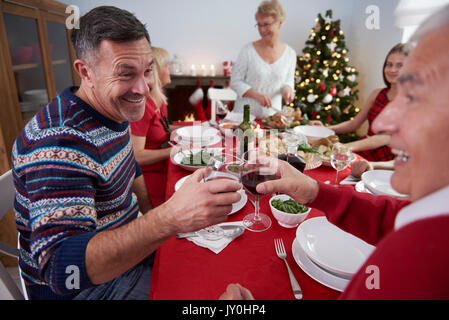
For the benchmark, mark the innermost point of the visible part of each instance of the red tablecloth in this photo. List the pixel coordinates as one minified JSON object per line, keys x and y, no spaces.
{"x":185,"y":271}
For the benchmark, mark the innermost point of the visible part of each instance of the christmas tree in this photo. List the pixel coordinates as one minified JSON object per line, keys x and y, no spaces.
{"x":325,"y":82}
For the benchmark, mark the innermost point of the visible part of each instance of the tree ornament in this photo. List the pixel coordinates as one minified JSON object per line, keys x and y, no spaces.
{"x":333,"y":91}
{"x":332,"y":46}
{"x":351,"y":78}
{"x":345,"y":92}
{"x":327,"y":99}
{"x":322,"y":86}
{"x":311,"y":98}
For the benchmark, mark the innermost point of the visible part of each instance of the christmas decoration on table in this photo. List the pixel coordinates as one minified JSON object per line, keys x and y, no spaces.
{"x":325,"y":82}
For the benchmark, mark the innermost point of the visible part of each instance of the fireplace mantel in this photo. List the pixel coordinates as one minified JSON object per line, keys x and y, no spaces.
{"x":182,"y":87}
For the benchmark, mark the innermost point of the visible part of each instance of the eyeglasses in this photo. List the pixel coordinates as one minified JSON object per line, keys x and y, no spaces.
{"x":264,"y":25}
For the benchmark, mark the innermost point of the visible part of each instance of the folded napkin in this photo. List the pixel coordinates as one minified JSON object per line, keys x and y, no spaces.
{"x":350,"y":180}
{"x":217,"y":246}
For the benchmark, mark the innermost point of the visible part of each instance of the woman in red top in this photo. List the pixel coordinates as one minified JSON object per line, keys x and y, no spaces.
{"x":375,"y":147}
{"x":151,"y":134}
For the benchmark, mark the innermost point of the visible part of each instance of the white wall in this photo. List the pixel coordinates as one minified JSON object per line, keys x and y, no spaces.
{"x":369,"y":47}
{"x":211,"y":31}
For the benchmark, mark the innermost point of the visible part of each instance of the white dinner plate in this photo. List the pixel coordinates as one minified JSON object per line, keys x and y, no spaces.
{"x":237,"y":117}
{"x":332,"y":248}
{"x":177,"y":158}
{"x":196,"y":133}
{"x":378,"y":182}
{"x":314,"y":132}
{"x":204,"y":143}
{"x":235,"y":206}
{"x":315,"y":272}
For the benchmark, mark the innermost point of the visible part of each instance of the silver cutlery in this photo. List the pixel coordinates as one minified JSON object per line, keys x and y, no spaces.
{"x":230,"y":230}
{"x":280,"y":251}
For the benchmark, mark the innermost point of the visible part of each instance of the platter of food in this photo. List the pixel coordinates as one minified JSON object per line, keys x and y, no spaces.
{"x":276,"y":147}
{"x":323,"y":147}
{"x":275,"y":121}
{"x":196,"y":158}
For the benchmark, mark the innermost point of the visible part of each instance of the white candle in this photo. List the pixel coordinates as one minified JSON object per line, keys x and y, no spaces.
{"x":212,"y":70}
{"x":259,"y":133}
{"x":203,"y":70}
{"x":193,"y":70}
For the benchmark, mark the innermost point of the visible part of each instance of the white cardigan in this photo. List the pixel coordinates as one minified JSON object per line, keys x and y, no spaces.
{"x":252,"y":72}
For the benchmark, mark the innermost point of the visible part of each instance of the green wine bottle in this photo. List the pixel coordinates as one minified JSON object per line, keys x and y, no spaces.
{"x":245,"y":134}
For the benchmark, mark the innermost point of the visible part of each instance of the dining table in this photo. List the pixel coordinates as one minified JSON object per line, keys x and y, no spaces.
{"x":185,"y":271}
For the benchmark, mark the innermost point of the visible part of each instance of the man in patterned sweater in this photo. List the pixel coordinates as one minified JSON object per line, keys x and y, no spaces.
{"x":79,"y":189}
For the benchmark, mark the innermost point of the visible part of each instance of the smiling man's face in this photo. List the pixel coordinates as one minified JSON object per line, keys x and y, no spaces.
{"x":123,"y":78}
{"x":418,"y":119}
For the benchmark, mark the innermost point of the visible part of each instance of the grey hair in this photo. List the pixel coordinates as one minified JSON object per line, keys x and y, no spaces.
{"x":437,"y":20}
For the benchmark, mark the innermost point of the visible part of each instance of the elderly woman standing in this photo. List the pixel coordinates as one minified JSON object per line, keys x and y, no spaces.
{"x":151,"y":133}
{"x":264,"y":72}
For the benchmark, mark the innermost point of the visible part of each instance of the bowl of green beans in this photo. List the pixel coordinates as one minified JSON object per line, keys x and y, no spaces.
{"x":288,"y":212}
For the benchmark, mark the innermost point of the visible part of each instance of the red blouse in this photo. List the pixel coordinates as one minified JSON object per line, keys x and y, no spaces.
{"x":151,"y":126}
{"x":382,"y":153}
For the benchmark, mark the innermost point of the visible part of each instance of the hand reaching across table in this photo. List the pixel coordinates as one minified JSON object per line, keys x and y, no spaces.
{"x":292,"y":182}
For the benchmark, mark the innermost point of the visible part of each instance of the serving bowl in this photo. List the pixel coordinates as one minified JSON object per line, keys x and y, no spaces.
{"x":285,"y":219}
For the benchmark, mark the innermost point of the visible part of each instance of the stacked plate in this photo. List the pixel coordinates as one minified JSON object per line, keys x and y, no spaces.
{"x":378,"y":183}
{"x":201,"y":135}
{"x":328,"y":254}
{"x":33,"y":100}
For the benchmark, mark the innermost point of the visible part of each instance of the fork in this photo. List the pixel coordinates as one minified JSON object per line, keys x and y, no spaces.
{"x":280,"y":251}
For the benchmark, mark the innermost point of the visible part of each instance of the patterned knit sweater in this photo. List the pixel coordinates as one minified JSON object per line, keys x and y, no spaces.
{"x":73,"y":171}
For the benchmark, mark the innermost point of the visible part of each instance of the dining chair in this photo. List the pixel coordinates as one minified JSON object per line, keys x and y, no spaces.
{"x":8,"y":287}
{"x":216,"y":96}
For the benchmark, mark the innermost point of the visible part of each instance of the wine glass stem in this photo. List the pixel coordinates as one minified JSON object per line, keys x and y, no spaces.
{"x":336,"y":178}
{"x":256,"y":207}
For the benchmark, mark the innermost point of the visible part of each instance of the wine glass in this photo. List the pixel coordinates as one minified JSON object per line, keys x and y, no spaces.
{"x":341,"y":156}
{"x":258,"y":167}
{"x":292,"y":140}
{"x":287,"y":116}
{"x":222,"y":110}
{"x":221,"y":166}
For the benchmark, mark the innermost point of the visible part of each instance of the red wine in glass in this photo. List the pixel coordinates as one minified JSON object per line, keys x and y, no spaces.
{"x":252,"y":179}
{"x":296,"y":161}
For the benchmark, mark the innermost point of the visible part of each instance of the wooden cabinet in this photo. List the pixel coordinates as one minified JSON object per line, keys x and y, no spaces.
{"x":36,"y":59}
{"x":36,"y":63}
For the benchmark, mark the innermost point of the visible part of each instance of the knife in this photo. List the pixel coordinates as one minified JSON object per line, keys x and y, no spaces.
{"x":231,"y":230}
